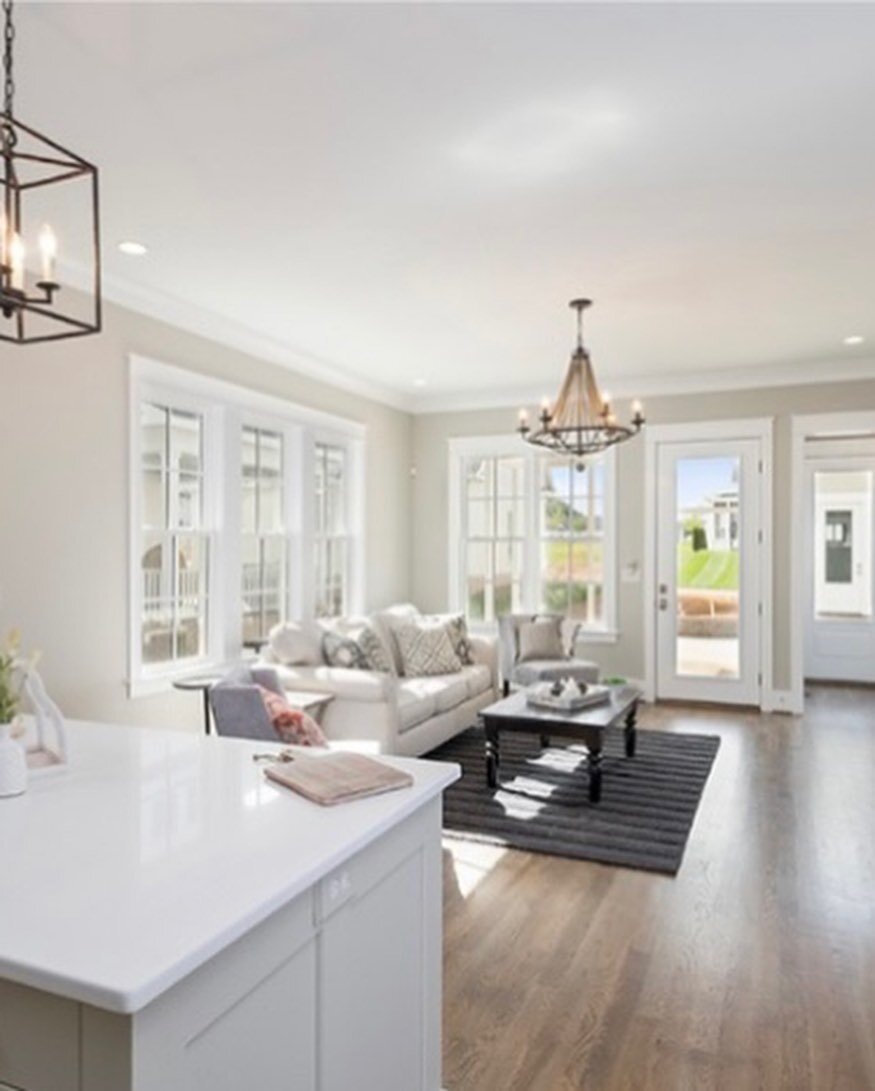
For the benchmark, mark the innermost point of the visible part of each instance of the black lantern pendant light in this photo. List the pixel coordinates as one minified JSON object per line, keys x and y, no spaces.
{"x":581,"y":421}
{"x":42,"y":181}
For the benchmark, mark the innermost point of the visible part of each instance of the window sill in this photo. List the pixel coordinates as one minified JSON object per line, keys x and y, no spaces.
{"x":148,"y":685}
{"x":596,"y":636}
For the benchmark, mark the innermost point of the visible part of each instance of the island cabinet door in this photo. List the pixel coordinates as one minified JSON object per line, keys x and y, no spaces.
{"x":39,"y":1040}
{"x":379,"y":964}
{"x":246,"y":1019}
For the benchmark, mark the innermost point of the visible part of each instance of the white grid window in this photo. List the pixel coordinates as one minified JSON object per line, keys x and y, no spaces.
{"x":231,"y":531}
{"x":264,"y":542}
{"x":331,"y":538}
{"x":494,"y":533}
{"x":572,"y":532}
{"x":174,"y":544}
{"x":532,"y":533}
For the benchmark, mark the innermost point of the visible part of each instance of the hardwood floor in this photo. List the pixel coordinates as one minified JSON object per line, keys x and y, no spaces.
{"x":753,"y":968}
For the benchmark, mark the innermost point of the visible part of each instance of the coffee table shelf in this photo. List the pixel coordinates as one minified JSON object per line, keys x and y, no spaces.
{"x":589,"y":725}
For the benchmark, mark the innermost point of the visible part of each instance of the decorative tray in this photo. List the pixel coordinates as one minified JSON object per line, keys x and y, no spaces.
{"x":543,"y":698}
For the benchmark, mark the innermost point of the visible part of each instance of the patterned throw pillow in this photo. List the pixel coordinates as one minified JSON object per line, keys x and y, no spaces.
{"x":374,"y":651}
{"x":426,"y":649}
{"x":457,"y":630}
{"x":291,"y":724}
{"x":343,"y":651}
{"x":361,"y":651}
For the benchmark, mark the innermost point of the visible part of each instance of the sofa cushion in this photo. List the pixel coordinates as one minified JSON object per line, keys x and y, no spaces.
{"x":478,"y":679}
{"x":450,"y":690}
{"x":352,"y":685}
{"x":416,"y":702}
{"x":426,"y":649}
{"x":549,"y":670}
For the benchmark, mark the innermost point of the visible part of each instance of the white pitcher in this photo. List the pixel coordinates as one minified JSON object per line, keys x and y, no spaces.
{"x":13,"y":764}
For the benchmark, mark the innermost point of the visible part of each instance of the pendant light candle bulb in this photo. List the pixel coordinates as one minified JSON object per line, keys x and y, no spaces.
{"x":48,"y":245}
{"x":524,"y":419}
{"x":17,"y":254}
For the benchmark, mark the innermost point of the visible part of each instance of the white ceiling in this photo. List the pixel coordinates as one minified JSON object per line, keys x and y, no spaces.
{"x":405,"y":193}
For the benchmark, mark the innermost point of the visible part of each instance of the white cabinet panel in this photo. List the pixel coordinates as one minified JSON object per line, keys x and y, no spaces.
{"x":243,"y":1049}
{"x":371,"y":984}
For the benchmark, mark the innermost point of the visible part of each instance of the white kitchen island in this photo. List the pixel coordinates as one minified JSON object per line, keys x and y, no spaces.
{"x":172,"y":921}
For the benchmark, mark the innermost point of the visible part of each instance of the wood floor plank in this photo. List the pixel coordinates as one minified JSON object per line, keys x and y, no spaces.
{"x":753,"y":968}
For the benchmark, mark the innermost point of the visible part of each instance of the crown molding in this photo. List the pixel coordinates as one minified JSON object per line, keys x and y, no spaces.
{"x":807,"y":373}
{"x":216,"y":327}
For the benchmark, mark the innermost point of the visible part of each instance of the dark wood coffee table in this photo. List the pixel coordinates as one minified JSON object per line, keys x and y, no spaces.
{"x":589,"y":726}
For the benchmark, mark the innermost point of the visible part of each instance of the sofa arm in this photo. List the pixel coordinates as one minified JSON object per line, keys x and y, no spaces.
{"x":484,"y":650}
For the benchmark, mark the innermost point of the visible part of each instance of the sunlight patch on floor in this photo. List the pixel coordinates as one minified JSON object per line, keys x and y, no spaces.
{"x":472,"y":862}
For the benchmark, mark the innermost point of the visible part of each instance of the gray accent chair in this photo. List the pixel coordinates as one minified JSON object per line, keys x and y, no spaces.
{"x":238,"y":708}
{"x":528,"y":672}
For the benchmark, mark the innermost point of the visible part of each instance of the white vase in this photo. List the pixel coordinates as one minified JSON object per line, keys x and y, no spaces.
{"x":13,"y":764}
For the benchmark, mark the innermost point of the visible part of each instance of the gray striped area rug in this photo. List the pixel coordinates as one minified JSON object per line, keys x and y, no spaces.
{"x":644,"y":818}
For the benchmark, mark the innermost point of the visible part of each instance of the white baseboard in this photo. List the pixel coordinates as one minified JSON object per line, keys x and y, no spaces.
{"x":780,"y":700}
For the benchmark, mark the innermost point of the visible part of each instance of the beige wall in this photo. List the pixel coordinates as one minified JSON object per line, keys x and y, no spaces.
{"x":430,"y":457}
{"x":64,"y":500}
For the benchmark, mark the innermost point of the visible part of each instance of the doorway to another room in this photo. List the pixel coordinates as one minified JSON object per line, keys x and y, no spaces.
{"x":839,"y":541}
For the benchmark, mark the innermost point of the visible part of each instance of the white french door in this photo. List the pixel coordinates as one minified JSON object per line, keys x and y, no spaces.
{"x":708,"y":507}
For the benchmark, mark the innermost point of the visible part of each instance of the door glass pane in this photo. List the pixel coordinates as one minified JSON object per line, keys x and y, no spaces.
{"x":843,"y":543}
{"x":708,"y":542}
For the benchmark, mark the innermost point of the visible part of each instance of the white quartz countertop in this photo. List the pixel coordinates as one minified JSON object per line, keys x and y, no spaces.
{"x":156,"y":849}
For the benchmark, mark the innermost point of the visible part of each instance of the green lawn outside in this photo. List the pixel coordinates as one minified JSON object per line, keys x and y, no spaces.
{"x":708,"y":569}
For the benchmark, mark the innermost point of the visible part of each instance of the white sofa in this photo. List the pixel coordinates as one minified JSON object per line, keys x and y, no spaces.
{"x":386,"y":711}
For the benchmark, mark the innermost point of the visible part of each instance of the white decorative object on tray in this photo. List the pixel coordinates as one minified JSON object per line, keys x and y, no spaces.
{"x":569,"y":698}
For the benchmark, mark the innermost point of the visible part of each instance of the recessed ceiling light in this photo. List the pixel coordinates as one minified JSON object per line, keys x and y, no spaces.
{"x":854,"y":339}
{"x":135,"y":249}
{"x":419,"y":382}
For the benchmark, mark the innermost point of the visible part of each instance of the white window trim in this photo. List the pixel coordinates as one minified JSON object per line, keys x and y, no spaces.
{"x":460,"y":448}
{"x":226,"y":408}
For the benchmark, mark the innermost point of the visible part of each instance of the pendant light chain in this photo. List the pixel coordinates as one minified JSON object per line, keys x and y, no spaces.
{"x":8,"y":39}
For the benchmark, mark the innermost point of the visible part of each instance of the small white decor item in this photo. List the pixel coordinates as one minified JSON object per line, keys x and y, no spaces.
{"x":13,"y":765}
{"x":48,"y":750}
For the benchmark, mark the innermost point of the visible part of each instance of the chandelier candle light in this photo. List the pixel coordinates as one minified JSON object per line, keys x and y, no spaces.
{"x":29,"y":164}
{"x":581,"y":422}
